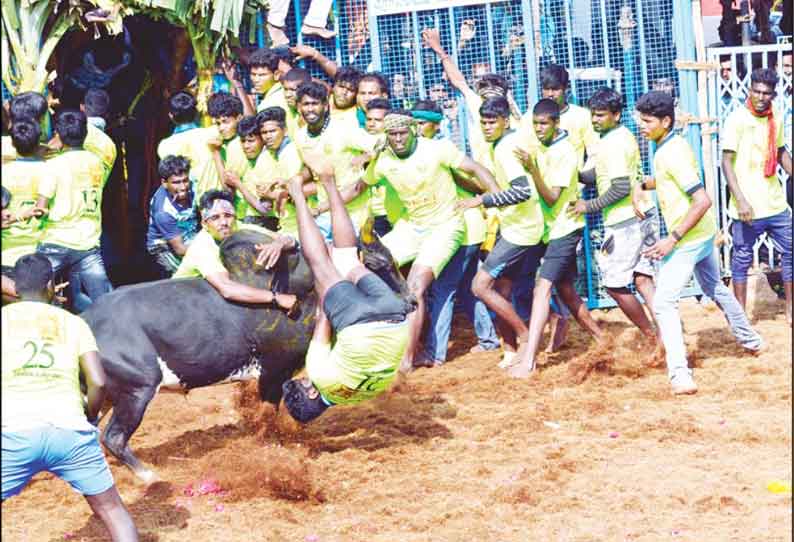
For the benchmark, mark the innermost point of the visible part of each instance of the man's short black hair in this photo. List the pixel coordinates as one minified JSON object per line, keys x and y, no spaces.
{"x":349,"y":75}
{"x":554,"y":77}
{"x":263,"y":58}
{"x":173,"y":165}
{"x":380,"y":79}
{"x":283,"y":54}
{"x":182,"y":106}
{"x":606,"y":99}
{"x":32,"y":273}
{"x":379,"y":103}
{"x":299,"y":405}
{"x":248,"y":126}
{"x":657,"y":104}
{"x":25,"y":134}
{"x":208,"y":198}
{"x":272,"y":114}
{"x":313,"y":89}
{"x":297,"y":74}
{"x":427,"y":105}
{"x":766,"y":76}
{"x":547,"y":108}
{"x":71,"y":127}
{"x":6,"y":197}
{"x":493,"y":80}
{"x":27,"y":105}
{"x":223,"y":104}
{"x":496,"y":107}
{"x":97,"y":102}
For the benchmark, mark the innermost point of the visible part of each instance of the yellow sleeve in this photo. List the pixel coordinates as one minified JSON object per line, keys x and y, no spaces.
{"x":291,"y":160}
{"x":85,"y":337}
{"x":360,"y":140}
{"x":731,"y":130}
{"x":512,"y":168}
{"x":618,"y":159}
{"x":449,"y":154}
{"x":47,"y":185}
{"x":202,"y":259}
{"x":566,"y":164}
{"x":372,"y":175}
{"x":681,"y":167}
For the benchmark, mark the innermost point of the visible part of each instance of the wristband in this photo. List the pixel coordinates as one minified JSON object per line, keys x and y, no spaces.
{"x":675,"y":236}
{"x":643,"y":185}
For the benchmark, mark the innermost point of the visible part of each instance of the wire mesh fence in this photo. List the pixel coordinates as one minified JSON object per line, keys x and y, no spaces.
{"x":729,"y":88}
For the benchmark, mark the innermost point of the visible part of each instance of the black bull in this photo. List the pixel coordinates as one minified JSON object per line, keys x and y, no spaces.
{"x":203,"y":338}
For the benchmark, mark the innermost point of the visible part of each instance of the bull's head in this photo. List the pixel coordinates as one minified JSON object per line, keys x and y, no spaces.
{"x":291,"y":274}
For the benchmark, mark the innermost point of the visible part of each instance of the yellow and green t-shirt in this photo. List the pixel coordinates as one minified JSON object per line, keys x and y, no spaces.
{"x":575,"y":120}
{"x":22,"y":177}
{"x":339,"y":143}
{"x":348,"y":116}
{"x":7,"y":149}
{"x":270,"y":167}
{"x":100,"y":144}
{"x":423,"y":181}
{"x":42,"y":346}
{"x":360,"y":365}
{"x":677,"y":178}
{"x":746,"y":135}
{"x":520,"y":224}
{"x":617,"y":155}
{"x":274,"y":97}
{"x":476,"y":227}
{"x":203,"y":256}
{"x":558,"y":167}
{"x":75,"y":194}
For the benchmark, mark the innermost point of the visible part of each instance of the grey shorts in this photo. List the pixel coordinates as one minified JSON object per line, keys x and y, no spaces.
{"x":620,"y":256}
{"x":369,"y":300}
{"x":559,"y":262}
{"x":505,"y":259}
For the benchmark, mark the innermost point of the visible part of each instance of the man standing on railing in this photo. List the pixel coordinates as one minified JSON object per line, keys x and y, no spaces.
{"x":752,"y":147}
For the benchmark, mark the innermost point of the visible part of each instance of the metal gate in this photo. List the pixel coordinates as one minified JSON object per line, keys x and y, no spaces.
{"x":728,"y":89}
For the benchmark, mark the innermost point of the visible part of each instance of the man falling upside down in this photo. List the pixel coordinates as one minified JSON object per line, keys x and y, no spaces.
{"x":361,"y":331}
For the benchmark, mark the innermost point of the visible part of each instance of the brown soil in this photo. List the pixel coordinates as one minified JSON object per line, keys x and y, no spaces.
{"x":592,"y":447}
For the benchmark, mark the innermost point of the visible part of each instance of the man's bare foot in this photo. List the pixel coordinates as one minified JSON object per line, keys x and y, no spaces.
{"x":522,"y":369}
{"x":559,"y":331}
{"x":277,"y":35}
{"x":318,"y":31}
{"x":406,"y":366}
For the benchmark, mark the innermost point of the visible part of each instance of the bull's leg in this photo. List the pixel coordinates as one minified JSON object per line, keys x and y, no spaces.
{"x":128,"y":409}
{"x":270,"y":382}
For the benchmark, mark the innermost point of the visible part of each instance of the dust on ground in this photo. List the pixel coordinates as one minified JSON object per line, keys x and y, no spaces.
{"x":464,"y":453}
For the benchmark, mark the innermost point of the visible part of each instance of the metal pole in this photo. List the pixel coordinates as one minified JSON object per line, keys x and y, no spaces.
{"x":260,"y":29}
{"x":744,"y":12}
{"x":569,"y":37}
{"x":492,"y":38}
{"x":420,"y":72}
{"x":643,"y":54}
{"x":296,"y":5}
{"x":338,"y":37}
{"x":605,"y":30}
{"x":374,"y":37}
{"x":529,"y":47}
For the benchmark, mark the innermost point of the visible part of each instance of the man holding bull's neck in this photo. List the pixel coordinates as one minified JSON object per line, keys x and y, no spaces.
{"x":361,"y":332}
{"x":203,"y":256}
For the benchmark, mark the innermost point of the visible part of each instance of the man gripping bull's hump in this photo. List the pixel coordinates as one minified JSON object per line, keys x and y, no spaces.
{"x":361,"y":332}
{"x":203,"y":256}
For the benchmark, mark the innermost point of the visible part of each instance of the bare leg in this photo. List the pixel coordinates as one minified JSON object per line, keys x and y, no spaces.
{"x":788,"y":291}
{"x":341,"y":226}
{"x":579,"y":310}
{"x":509,"y":324}
{"x":313,"y":242}
{"x":109,"y":507}
{"x":647,"y":290}
{"x":633,"y":309}
{"x":740,"y":291}
{"x":558,"y":332}
{"x":540,"y":313}
{"x":419,"y":280}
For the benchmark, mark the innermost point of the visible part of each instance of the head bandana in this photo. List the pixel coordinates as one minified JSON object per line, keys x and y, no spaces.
{"x":219,"y":205}
{"x":490,"y":92}
{"x":429,"y":116}
{"x":394,"y":121}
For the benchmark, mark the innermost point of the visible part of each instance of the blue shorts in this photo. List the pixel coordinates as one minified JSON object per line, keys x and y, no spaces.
{"x":74,"y":456}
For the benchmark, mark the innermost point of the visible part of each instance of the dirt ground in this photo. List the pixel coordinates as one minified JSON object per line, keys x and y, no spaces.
{"x":463,"y":453}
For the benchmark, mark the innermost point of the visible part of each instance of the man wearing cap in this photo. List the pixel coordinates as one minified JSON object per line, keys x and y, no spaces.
{"x":431,"y":229}
{"x":362,"y":330}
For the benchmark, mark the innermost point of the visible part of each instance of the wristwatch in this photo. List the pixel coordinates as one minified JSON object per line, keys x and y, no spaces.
{"x":675,"y":236}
